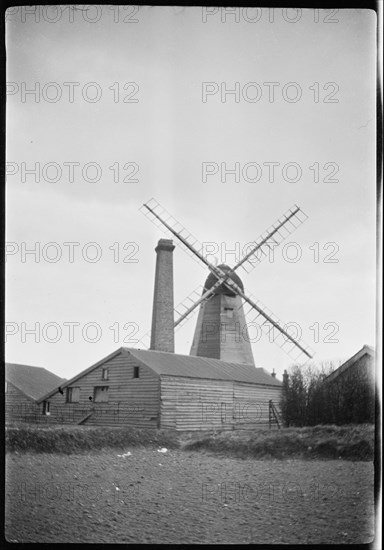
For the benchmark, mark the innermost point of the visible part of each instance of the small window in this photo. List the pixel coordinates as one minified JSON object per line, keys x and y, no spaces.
{"x":104,"y":374}
{"x":46,"y":408}
{"x":100,"y":394}
{"x":73,"y":394}
{"x":135,"y":372}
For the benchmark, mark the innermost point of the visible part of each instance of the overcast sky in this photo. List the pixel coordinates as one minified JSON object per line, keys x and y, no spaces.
{"x":138,"y":104}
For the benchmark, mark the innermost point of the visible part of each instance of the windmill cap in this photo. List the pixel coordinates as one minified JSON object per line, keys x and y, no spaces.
{"x":223,"y":289}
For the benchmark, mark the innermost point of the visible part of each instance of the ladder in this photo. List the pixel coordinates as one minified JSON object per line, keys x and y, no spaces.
{"x":274,"y":415}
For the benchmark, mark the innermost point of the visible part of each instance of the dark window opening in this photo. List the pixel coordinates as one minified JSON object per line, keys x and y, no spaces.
{"x":104,"y":374}
{"x":46,"y":408}
{"x":135,"y":372}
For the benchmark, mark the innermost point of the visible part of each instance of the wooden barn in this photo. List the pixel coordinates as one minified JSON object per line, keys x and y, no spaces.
{"x":146,"y":388}
{"x":351,"y":389}
{"x":23,"y":386}
{"x":359,"y":366}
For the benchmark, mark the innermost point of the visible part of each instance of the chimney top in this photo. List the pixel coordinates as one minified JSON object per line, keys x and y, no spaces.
{"x":165,"y":244}
{"x":273,"y":373}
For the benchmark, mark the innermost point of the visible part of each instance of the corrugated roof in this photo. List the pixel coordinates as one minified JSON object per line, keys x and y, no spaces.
{"x":174,"y":364}
{"x":33,"y":381}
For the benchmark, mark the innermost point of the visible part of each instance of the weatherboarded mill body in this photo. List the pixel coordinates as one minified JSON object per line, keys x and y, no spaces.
{"x":153,"y":389}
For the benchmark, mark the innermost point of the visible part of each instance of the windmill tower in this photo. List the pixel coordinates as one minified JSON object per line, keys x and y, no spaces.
{"x":221,"y":331}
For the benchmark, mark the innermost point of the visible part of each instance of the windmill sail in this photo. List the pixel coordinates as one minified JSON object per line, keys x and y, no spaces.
{"x":260,"y":249}
{"x":272,"y":237}
{"x":167,"y":223}
{"x":277,"y":331}
{"x":184,"y":308}
{"x":274,"y":322}
{"x":284,"y":226}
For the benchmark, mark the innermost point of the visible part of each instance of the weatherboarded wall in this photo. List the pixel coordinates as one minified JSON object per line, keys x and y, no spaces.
{"x":221,"y":331}
{"x":131,"y":401}
{"x":18,"y":406}
{"x":252,"y":404}
{"x":200,"y":404}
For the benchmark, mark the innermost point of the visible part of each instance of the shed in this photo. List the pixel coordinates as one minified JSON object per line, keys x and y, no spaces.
{"x":350,"y":389}
{"x":24,"y":384}
{"x":361,"y":365}
{"x":145,"y":388}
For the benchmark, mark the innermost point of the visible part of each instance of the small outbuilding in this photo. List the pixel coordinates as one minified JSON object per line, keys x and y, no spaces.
{"x":23,"y":386}
{"x":155,"y":389}
{"x":351,"y":389}
{"x":359,"y":366}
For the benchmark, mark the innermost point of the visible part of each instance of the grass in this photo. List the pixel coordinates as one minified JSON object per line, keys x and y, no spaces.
{"x":352,"y":442}
{"x":80,"y":439}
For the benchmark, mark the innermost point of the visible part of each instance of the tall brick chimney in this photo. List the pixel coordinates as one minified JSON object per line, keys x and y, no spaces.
{"x":162,"y":333}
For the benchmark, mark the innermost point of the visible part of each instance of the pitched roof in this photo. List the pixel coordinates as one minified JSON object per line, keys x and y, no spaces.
{"x":174,"y":364}
{"x":33,"y":381}
{"x":363,"y":351}
{"x":66,"y":383}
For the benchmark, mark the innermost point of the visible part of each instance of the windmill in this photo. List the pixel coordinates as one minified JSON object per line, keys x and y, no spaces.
{"x":223,"y":300}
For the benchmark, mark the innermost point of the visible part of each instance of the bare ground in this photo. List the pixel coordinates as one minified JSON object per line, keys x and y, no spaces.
{"x":186,"y":497}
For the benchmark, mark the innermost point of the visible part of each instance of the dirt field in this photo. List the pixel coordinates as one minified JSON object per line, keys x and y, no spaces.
{"x":186,"y":497}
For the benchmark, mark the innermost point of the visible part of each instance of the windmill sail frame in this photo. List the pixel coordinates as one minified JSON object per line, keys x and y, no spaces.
{"x":289,"y":222}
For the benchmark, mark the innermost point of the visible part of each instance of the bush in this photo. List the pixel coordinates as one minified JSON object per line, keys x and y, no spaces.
{"x":319,"y":442}
{"x":307,"y":399}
